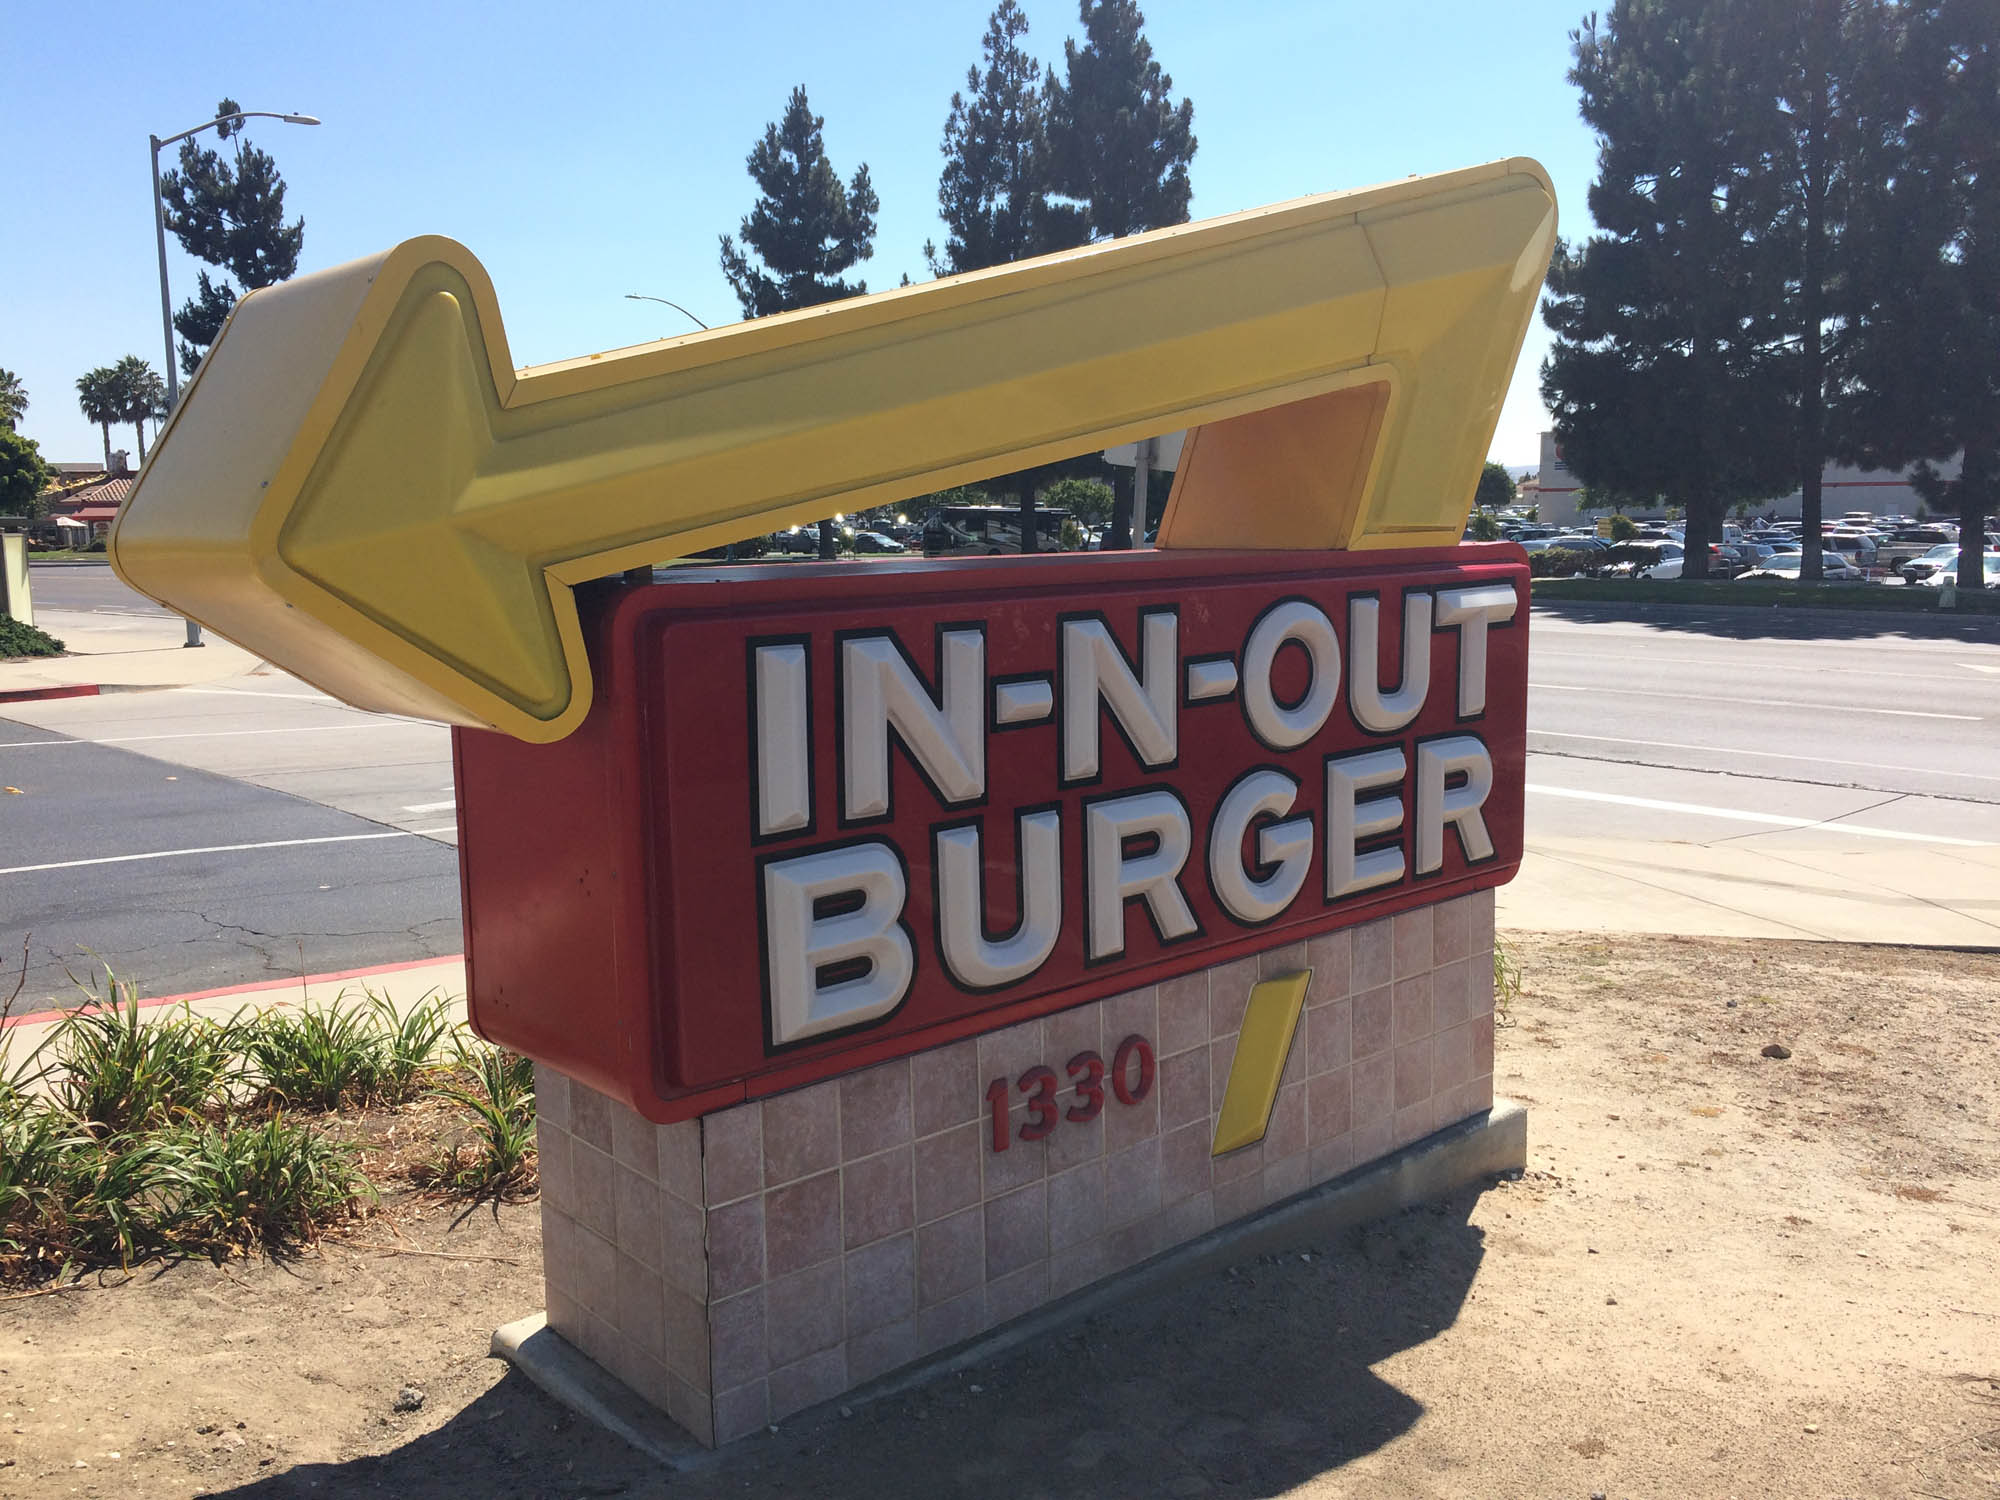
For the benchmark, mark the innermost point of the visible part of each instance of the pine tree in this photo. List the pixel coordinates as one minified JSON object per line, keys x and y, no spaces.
{"x":806,"y":230}
{"x":1924,"y":373}
{"x":230,"y":213}
{"x":994,"y":192}
{"x":1118,"y":143}
{"x":1666,"y":377}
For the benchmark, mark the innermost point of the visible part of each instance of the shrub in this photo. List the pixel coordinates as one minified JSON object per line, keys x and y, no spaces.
{"x":1558,"y":562}
{"x":17,"y":639}
{"x":1623,"y":528}
{"x":268,"y":1184}
{"x":327,"y":1057}
{"x":116,"y":1071}
{"x":500,"y":1092}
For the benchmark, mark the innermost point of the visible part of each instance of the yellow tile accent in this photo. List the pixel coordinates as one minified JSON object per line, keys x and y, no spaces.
{"x":1269,"y":1025}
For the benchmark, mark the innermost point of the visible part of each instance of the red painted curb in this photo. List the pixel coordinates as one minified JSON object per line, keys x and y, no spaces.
{"x":242,"y":989}
{"x":26,"y":695}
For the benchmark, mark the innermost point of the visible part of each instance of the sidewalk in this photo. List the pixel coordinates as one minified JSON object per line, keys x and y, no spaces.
{"x":119,"y":653}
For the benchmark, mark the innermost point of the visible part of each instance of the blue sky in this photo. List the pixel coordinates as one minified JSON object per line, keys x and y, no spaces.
{"x":587,"y":150}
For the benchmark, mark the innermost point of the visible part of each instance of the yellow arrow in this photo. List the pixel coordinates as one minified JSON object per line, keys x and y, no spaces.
{"x":360,"y":487}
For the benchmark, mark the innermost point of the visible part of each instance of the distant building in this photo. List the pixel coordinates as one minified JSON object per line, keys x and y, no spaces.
{"x":1879,"y":492}
{"x":84,"y":499}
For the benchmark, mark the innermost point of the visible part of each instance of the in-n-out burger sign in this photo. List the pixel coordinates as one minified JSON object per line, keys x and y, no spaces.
{"x":859,"y":816}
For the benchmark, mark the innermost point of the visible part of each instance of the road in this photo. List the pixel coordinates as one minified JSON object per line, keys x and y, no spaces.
{"x":322,"y":835}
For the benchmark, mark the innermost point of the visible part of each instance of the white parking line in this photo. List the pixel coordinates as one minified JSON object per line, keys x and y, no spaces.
{"x":1811,"y":760}
{"x":1831,"y":708}
{"x":1770,"y":820}
{"x":446,"y":806}
{"x":190,"y":734}
{"x":123,"y":859}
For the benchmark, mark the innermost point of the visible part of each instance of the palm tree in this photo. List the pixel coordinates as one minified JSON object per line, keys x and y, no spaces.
{"x":13,"y":399}
{"x":143,"y":395}
{"x":101,"y":401}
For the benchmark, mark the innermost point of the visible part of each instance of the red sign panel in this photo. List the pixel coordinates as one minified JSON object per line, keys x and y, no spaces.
{"x":825,"y":815}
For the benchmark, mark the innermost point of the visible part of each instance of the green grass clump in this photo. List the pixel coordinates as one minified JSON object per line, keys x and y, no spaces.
{"x":17,"y":639}
{"x":116,"y":1071}
{"x":341,"y":1056}
{"x":498,"y":1088}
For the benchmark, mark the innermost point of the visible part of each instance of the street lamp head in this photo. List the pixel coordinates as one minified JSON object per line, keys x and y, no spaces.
{"x":300,"y":119}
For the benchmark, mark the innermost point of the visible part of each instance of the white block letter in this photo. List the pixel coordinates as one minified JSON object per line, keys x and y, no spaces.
{"x":1374,"y":710}
{"x":1437,"y":805}
{"x":784,"y":747}
{"x":798,"y":944}
{"x":1287,"y":845}
{"x":1111,"y":879}
{"x":1472,"y":611}
{"x":974,"y":960}
{"x":1145,"y":706}
{"x":947,"y":739}
{"x":1295,"y":620}
{"x":1351,"y":818}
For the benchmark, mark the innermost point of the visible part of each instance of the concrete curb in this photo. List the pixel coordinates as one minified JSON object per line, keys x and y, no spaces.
{"x":1485,"y":1145}
{"x":72,"y":690}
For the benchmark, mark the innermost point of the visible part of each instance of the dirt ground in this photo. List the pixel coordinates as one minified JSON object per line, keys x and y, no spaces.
{"x":1723,"y":1274}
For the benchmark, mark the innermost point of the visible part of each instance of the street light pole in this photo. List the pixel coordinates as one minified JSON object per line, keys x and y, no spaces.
{"x":642,"y":297}
{"x":160,"y":231}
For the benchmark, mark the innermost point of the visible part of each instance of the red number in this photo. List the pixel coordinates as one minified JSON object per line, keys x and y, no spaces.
{"x":1041,"y":1083}
{"x":997,"y":1095}
{"x":1126,"y":1049}
{"x":1090,"y":1091}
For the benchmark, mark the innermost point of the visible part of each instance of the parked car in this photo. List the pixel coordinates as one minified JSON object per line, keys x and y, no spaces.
{"x":875,"y":541}
{"x":1784,"y":567}
{"x":1989,"y":563}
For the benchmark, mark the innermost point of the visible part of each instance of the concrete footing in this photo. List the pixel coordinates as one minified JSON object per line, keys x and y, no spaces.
{"x":1488,"y":1144}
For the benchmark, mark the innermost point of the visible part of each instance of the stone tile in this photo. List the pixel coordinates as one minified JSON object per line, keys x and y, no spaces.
{"x":684,"y":1336}
{"x":1183,"y":1089}
{"x":804,"y":1314}
{"x":1074,"y":1144}
{"x":1017,"y":1230}
{"x":1374,"y":1088}
{"x":1021,"y":1163}
{"x":1078,"y":1266}
{"x":951,"y":1322}
{"x":1125,"y":1125}
{"x":1183,"y":1013}
{"x":552,"y":1155}
{"x":1244,"y":1196}
{"x":1372,"y":1023}
{"x":565,"y":1314}
{"x":735,"y":1246}
{"x":1221,"y":1054}
{"x":801,"y":1224}
{"x":678,"y":1148}
{"x":638,"y":1208}
{"x":1184,"y":1159}
{"x":1294,"y":1070}
{"x":1132,"y":1183}
{"x":1414,"y":1123}
{"x":596,"y":1284}
{"x":945,"y":1087}
{"x":589,"y":1116}
{"x":551,"y":1097}
{"x":683,"y":1246}
{"x":947,"y":1171}
{"x":1008,"y":1054}
{"x":1482,"y":1044}
{"x":1451,"y":997}
{"x":1329,"y":1107}
{"x":1329,"y":1037}
{"x":1413,"y":1074}
{"x":732,"y":1153}
{"x":1410,"y":1009}
{"x":1182,"y":1221}
{"x":881,"y":1283}
{"x":559,"y":1254}
{"x":881,"y":1350}
{"x":1324,"y":1163}
{"x":1229,"y":987}
{"x":1013,"y":1296}
{"x":1451,"y":1058}
{"x":691,"y":1409}
{"x":1374,"y":954}
{"x":1451,"y":930}
{"x":1331,"y":959}
{"x":1289,"y":959}
{"x":1370,"y":1141}
{"x":1481,"y":918}
{"x":1464,"y":1101}
{"x":1076,"y":1206}
{"x":740,"y":1412}
{"x":594,"y":1181}
{"x":1286,"y":1176}
{"x":951,"y":1257}
{"x":632,"y":1142}
{"x":875,"y":1110}
{"x":1411,"y":937}
{"x":875,"y":1197}
{"x":1285,"y":1132}
{"x":801,"y":1133}
{"x":1134,"y":1013}
{"x":1244,"y":1161}
{"x":1069,"y":1034}
{"x":737,"y":1339}
{"x":818,"y":1378}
